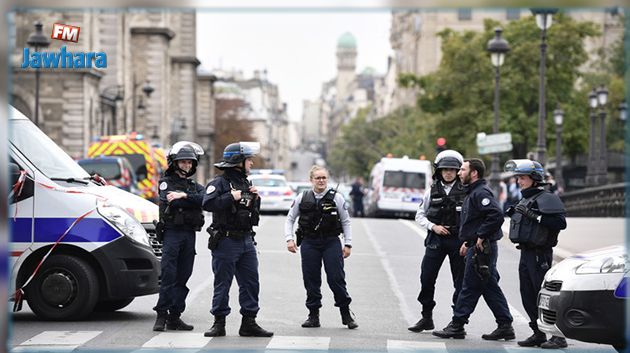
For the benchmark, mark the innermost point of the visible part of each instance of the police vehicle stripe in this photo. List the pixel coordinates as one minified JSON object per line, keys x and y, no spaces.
{"x":50,"y":229}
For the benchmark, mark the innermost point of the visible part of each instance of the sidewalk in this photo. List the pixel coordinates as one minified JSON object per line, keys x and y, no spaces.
{"x":584,"y":234}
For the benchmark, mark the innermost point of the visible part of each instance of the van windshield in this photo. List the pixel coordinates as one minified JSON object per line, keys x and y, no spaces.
{"x":42,"y":152}
{"x":399,"y":179}
{"x":109,"y":170}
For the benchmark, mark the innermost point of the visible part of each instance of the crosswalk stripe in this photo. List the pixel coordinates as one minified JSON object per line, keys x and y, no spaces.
{"x":299,"y":343}
{"x":177,"y":340}
{"x":516,"y":349}
{"x":65,"y":339}
{"x":398,"y":346}
{"x":44,"y":349}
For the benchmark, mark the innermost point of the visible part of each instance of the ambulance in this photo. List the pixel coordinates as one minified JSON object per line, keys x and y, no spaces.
{"x":396,"y":187}
{"x":76,"y":244}
{"x":148,"y":162}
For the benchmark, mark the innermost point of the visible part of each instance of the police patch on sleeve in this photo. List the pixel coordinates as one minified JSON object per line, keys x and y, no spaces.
{"x":210,"y":189}
{"x":163,"y":186}
{"x":345,"y":206}
{"x":485,"y":201}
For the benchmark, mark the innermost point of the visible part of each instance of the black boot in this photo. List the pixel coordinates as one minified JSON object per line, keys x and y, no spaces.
{"x":453,"y":330}
{"x":249,"y":328}
{"x":218,"y":328}
{"x":313,"y":319}
{"x":555,"y":342}
{"x":504,"y":331}
{"x":426,"y":323}
{"x":347,"y":318}
{"x":160,"y":322}
{"x":536,"y":339}
{"x":173,"y":322}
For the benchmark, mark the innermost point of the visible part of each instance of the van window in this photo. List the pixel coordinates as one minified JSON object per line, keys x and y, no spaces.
{"x":137,"y":162}
{"x":108,"y":170}
{"x":42,"y":152}
{"x":399,"y":179}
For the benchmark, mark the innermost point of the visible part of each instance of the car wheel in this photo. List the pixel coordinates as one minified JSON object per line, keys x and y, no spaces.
{"x":66,"y":288}
{"x":112,"y":305}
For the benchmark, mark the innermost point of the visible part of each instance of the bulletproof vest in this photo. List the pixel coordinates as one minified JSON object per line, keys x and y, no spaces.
{"x":529,"y":232}
{"x":243,"y":214}
{"x":445,"y":209}
{"x":319,"y":217}
{"x":180,"y":217}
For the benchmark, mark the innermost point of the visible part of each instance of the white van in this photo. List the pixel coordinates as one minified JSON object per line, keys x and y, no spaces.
{"x":75,"y":245}
{"x":397,"y":186}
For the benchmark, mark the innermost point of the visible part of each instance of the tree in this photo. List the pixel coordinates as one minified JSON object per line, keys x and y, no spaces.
{"x":460,"y":93}
{"x":231,"y":126}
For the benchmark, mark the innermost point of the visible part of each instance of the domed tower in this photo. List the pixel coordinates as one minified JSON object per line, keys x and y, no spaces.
{"x":346,"y":64}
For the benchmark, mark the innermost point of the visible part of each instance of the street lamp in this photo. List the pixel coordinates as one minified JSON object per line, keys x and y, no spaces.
{"x":602,"y":99}
{"x":623,"y":111}
{"x":543,"y":21}
{"x":591,"y":168}
{"x":558,"y":116}
{"x":497,"y":47}
{"x":37,"y":40}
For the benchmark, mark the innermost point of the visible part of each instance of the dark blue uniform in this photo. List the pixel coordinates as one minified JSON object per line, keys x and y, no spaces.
{"x":441,"y":208}
{"x":235,"y":255}
{"x":182,"y":218}
{"x":536,"y":259}
{"x":481,"y":217}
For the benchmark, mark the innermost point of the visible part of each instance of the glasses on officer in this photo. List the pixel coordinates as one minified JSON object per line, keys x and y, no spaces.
{"x":320,"y":178}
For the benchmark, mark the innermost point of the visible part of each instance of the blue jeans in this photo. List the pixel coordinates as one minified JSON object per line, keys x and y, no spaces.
{"x":178,"y":257}
{"x":314,"y":251}
{"x":235,"y":258}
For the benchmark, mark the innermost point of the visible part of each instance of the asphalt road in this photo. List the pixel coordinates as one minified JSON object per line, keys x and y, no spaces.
{"x":383,"y":280}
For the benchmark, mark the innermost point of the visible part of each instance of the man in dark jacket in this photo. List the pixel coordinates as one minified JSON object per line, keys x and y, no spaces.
{"x":480,"y":228}
{"x":535,"y":223}
{"x":181,"y":216}
{"x":235,"y":207}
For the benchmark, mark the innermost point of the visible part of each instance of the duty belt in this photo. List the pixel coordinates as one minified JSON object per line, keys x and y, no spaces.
{"x":236,"y":234}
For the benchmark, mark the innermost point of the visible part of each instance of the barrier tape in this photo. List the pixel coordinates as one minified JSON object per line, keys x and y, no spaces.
{"x":18,"y":296}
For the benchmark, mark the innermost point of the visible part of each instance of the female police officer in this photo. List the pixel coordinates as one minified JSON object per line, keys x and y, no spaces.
{"x":235,"y":206}
{"x":535,"y":223}
{"x":181,"y":216}
{"x":323,"y":215}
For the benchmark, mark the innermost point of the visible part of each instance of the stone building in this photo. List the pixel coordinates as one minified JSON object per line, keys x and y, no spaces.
{"x":149,"y":85}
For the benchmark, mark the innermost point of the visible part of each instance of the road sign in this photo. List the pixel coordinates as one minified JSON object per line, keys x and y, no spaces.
{"x":504,"y":147}
{"x":493,"y":139}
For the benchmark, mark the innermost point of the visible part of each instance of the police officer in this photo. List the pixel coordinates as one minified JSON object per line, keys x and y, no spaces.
{"x":480,"y":228}
{"x":535,"y":222}
{"x":439,"y":214}
{"x":323,"y":216}
{"x":235,"y":206}
{"x":180,"y":216}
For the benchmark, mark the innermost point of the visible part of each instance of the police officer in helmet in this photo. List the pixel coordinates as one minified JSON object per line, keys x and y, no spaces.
{"x":323,"y":216}
{"x":439,"y":214}
{"x":181,"y":216}
{"x":534,"y":224}
{"x":235,"y":206}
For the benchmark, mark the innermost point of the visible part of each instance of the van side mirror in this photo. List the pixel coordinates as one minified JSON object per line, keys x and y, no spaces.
{"x":14,"y":173}
{"x":142,"y":172}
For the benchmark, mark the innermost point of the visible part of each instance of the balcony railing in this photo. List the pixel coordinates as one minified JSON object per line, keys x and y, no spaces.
{"x":599,"y":201}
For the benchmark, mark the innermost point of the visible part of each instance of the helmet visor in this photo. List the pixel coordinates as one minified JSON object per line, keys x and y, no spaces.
{"x":179,"y":145}
{"x":250,"y":149}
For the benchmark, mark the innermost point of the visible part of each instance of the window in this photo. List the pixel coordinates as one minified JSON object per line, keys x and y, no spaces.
{"x":464,"y":14}
{"x":513,"y":14}
{"x":404,"y":180}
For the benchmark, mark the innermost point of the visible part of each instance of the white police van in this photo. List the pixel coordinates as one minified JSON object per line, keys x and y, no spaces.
{"x":76,"y":245}
{"x":397,"y":186}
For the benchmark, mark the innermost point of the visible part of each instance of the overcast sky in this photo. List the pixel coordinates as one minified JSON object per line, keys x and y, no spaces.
{"x":296,"y":48}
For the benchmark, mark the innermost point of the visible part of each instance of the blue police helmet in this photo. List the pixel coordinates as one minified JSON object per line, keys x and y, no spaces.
{"x":235,"y":154}
{"x":526,"y":167}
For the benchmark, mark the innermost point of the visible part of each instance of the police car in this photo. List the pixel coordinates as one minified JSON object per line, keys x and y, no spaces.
{"x":583,"y":297}
{"x":275,"y":193}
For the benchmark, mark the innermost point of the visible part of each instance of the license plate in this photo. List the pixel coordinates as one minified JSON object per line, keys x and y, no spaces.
{"x":543,"y":302}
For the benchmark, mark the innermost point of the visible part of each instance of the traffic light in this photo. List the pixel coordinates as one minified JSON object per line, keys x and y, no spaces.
{"x":440,"y":144}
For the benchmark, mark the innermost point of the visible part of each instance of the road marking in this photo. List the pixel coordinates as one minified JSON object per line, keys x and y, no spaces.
{"x":415,"y":346}
{"x":177,"y":340}
{"x":57,"y":341}
{"x":299,"y":343}
{"x":413,"y":227}
{"x":525,"y":349}
{"x":393,"y":284}
{"x":518,"y":317}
